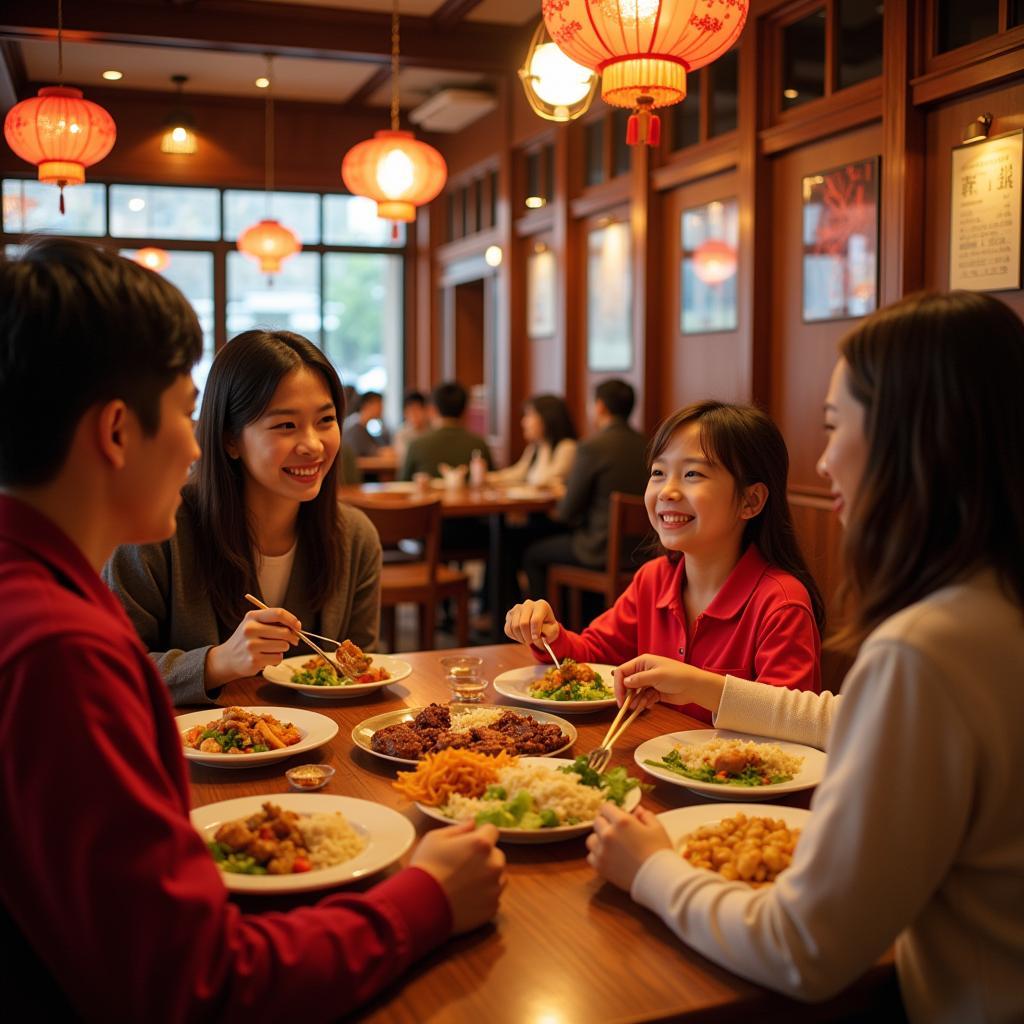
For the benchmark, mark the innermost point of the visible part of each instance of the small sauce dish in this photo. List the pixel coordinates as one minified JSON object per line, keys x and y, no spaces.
{"x":308,"y":777}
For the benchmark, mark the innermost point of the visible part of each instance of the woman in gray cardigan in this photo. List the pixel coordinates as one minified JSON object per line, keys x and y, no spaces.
{"x":259,"y":515}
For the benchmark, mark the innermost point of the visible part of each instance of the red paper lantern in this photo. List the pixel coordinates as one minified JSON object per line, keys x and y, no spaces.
{"x":152,"y":258}
{"x":61,"y":133}
{"x":643,"y":49}
{"x":714,"y":261}
{"x":269,"y":242}
{"x":395,"y":169}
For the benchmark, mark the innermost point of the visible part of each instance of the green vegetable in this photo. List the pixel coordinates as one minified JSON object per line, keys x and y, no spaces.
{"x":322,"y":676}
{"x":750,"y":776}
{"x":495,"y":792}
{"x":616,"y":783}
{"x":236,"y":863}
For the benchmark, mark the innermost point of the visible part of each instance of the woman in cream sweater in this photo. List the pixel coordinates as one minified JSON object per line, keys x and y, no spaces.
{"x":550,"y":445}
{"x":917,"y":830}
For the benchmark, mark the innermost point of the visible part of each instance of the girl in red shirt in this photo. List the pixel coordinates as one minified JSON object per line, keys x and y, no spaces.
{"x":732,"y":594}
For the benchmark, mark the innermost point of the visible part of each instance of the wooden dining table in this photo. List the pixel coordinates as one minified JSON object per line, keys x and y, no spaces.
{"x":565,"y":947}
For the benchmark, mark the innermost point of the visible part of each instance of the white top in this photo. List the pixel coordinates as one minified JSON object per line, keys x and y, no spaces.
{"x":274,"y":572}
{"x":550,"y":466}
{"x":916,"y":833}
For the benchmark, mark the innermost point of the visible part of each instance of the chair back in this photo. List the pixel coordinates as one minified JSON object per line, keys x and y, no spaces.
{"x":628,"y":527}
{"x":397,"y":517}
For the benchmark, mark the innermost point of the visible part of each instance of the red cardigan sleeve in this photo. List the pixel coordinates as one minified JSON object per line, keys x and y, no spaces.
{"x":116,"y":893}
{"x":789,"y":649}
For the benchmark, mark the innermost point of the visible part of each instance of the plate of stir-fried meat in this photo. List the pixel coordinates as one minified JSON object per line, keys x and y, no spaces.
{"x":360,"y":672}
{"x":245,"y":737}
{"x":407,"y":735}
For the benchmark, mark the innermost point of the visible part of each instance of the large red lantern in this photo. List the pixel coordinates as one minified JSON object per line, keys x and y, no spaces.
{"x":269,"y":242}
{"x":61,"y":133}
{"x":643,"y":49}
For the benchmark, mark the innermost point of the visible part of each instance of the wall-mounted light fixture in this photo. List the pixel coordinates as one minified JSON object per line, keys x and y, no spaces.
{"x":978,"y":129}
{"x":557,"y":88}
{"x":493,"y":255}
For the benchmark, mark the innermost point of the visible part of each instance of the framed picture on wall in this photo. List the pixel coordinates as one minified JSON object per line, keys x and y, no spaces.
{"x":710,"y":237}
{"x":609,"y":298}
{"x":840,"y":241}
{"x":540,"y":292}
{"x":985,"y":215}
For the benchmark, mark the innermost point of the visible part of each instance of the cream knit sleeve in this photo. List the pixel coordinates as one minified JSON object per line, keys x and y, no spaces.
{"x":795,"y":715}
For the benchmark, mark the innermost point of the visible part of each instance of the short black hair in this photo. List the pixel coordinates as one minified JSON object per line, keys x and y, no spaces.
{"x":80,"y":325}
{"x":450,"y":399}
{"x":414,"y":398}
{"x":369,"y":396}
{"x":617,"y":395}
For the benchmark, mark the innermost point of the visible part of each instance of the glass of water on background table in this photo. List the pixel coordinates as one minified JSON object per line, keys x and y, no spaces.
{"x":464,"y":675}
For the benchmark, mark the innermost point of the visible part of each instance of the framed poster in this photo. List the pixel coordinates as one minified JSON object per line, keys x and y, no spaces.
{"x":840,"y":236}
{"x":609,"y":298}
{"x":985,"y":214}
{"x":540,"y":293}
{"x":710,"y":237}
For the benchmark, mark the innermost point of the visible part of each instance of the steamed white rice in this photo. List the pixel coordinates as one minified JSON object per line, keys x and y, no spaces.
{"x":774,"y":759}
{"x":330,"y":839}
{"x":474,"y":718}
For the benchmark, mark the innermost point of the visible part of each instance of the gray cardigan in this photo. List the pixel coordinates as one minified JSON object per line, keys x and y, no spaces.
{"x":156,"y":584}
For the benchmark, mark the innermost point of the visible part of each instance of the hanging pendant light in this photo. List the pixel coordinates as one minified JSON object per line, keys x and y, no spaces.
{"x":394,"y":168}
{"x":59,"y":131}
{"x":268,"y":241}
{"x":556,"y":87}
{"x":179,"y":135}
{"x":152,"y":258}
{"x":644,"y":49}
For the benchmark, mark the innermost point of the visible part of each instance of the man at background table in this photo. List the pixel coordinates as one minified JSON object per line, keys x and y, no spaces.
{"x":110,"y":905}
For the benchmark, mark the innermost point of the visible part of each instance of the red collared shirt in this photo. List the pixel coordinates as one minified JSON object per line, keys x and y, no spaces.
{"x":105,"y":887}
{"x":759,"y":626}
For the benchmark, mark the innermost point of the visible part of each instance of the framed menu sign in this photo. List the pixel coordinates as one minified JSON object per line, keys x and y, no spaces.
{"x":985,"y":220}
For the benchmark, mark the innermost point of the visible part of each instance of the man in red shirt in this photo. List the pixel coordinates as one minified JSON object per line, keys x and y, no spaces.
{"x":110,"y":905}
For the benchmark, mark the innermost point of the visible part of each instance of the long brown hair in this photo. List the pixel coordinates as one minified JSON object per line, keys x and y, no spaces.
{"x":942,"y":494}
{"x":749,"y":446}
{"x":242,"y":381}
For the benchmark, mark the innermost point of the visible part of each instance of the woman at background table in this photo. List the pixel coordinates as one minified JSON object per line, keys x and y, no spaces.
{"x":259,"y":515}
{"x":917,"y":830}
{"x":732,"y":595}
{"x":550,"y":445}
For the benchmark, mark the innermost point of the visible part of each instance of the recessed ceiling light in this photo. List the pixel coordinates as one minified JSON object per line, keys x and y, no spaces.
{"x":790,"y":94}
{"x":136,"y":203}
{"x":262,"y":83}
{"x":113,"y":76}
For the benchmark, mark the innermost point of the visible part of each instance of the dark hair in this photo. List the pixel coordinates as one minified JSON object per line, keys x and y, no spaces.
{"x":449,"y":399}
{"x":414,"y":398}
{"x":367,"y":397}
{"x":88,"y":327}
{"x":942,"y":494}
{"x":750,"y":447}
{"x":241,"y":384}
{"x":618,"y":397}
{"x":555,"y":417}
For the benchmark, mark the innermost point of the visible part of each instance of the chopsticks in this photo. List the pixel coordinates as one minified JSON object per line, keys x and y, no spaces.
{"x":612,"y":736}
{"x":305,"y":636}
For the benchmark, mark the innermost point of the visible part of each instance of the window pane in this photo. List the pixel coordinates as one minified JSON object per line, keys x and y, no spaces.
{"x":353,"y":220}
{"x":299,"y":211}
{"x":290,"y":300}
{"x":595,"y":151}
{"x":609,"y":298}
{"x":32,"y":206}
{"x":803,"y":60}
{"x":710,"y":236}
{"x":192,"y":274}
{"x":686,"y":115}
{"x":145,"y":211}
{"x":492,"y":199}
{"x":363,"y":330}
{"x":1015,"y":13}
{"x":964,"y":21}
{"x":621,"y":152}
{"x":725,"y":76}
{"x":859,"y":41}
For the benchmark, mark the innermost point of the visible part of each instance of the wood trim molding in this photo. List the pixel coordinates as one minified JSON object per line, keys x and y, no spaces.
{"x":452,"y":12}
{"x":860,"y":104}
{"x":467,"y":248}
{"x":599,"y":198}
{"x":980,"y":74}
{"x":696,"y":162}
{"x":535,"y":221}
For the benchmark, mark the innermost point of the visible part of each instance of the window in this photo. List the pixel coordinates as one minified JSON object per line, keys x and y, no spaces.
{"x":594,"y":133}
{"x":686,"y":115}
{"x":30,"y":206}
{"x":147,"y":211}
{"x":299,"y":210}
{"x":964,"y":21}
{"x":622,"y":152}
{"x":724,"y":76}
{"x":803,"y":60}
{"x":353,"y":220}
{"x":710,"y":237}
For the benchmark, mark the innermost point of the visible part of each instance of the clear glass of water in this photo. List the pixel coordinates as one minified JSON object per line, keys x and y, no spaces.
{"x":464,"y":674}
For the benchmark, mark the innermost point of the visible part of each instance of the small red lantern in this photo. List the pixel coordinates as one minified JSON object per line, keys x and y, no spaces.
{"x":269,"y":242}
{"x":397,"y":170}
{"x":714,"y":261}
{"x":152,"y":258}
{"x":61,"y":133}
{"x":643,"y":49}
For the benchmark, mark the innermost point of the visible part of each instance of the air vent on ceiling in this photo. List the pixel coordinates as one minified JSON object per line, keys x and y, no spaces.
{"x":450,"y":110}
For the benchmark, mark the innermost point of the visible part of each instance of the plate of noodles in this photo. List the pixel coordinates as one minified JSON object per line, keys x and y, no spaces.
{"x":716,"y":763}
{"x":246,"y":737}
{"x":573,"y":688}
{"x":528,"y":799}
{"x":300,"y":842}
{"x":309,"y":674}
{"x":742,"y":844}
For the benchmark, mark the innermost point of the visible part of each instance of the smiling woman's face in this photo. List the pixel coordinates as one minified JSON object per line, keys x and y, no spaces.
{"x":846,"y":450}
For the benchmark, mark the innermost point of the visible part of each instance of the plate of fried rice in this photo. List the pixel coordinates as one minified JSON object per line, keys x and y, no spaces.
{"x":719,"y":764}
{"x":575,"y":688}
{"x":300,"y":842}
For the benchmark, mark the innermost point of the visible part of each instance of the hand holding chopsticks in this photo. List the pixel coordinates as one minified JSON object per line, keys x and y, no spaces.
{"x":301,"y":633}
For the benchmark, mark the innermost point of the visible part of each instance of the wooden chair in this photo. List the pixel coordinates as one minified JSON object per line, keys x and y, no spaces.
{"x":423,"y":582}
{"x":627,"y":526}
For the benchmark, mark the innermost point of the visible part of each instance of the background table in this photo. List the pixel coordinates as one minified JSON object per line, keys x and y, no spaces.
{"x":565,"y":948}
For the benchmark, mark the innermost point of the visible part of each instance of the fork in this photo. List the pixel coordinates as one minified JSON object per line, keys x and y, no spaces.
{"x":599,"y":757}
{"x":329,"y":659}
{"x":547,"y":647}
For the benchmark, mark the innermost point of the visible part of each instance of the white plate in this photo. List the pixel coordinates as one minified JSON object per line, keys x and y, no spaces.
{"x":684,"y":820}
{"x":282,"y":676}
{"x":389,"y":834}
{"x":362,"y":734}
{"x":810,"y":774}
{"x":316,"y":730}
{"x":515,"y":685}
{"x":540,"y":835}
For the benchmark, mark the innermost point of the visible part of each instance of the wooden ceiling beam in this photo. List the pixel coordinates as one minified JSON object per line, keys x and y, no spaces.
{"x":452,"y":12}
{"x":371,"y":85}
{"x":289,"y":30}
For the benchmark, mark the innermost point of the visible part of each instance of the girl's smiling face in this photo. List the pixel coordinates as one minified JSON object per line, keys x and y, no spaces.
{"x":288,"y":450}
{"x":692,"y":501}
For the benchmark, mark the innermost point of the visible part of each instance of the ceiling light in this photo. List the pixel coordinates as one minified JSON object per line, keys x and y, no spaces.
{"x":535,"y":202}
{"x":113,"y":76}
{"x":790,"y":94}
{"x":556,"y":87}
{"x":136,"y":204}
{"x":179,"y":129}
{"x":262,"y":83}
